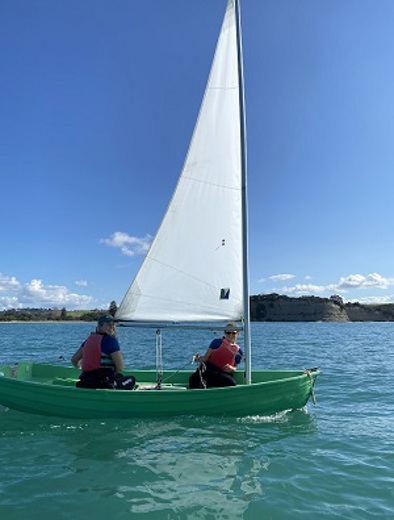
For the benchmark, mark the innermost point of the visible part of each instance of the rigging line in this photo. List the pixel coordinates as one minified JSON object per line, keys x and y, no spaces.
{"x":178,"y":370}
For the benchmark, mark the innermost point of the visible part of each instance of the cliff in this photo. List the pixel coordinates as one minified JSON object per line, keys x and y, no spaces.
{"x":358,"y":312}
{"x":274,"y":307}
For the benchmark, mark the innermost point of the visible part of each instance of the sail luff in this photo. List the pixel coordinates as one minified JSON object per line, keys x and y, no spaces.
{"x":245,"y":212}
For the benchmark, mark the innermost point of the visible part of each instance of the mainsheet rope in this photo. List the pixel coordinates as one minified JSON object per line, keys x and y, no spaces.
{"x":159,"y":363}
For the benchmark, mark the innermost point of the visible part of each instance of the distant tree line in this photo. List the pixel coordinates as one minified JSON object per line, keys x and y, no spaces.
{"x":264,"y":307}
{"x":42,"y":314}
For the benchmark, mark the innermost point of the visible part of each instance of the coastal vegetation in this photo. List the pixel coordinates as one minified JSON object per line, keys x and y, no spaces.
{"x":264,"y":307}
{"x":276,"y":307}
{"x":54,"y":314}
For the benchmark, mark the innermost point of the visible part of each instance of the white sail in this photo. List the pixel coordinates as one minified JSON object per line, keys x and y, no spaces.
{"x":193,"y":270}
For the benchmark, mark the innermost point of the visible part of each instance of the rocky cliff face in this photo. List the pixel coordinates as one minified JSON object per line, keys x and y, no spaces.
{"x":274,"y":307}
{"x":358,"y":312}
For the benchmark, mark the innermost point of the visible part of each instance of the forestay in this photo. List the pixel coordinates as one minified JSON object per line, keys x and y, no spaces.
{"x":193,"y":270}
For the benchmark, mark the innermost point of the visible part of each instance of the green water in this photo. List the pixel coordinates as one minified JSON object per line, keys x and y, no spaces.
{"x":332,"y":461}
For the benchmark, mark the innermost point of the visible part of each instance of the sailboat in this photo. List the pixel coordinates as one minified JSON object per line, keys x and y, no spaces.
{"x":179,"y":284}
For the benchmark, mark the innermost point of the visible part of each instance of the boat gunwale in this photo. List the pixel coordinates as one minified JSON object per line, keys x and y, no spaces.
{"x":49,"y":382}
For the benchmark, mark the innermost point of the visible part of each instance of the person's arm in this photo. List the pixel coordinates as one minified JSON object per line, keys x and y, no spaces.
{"x":117,"y":358}
{"x":239,"y":357}
{"x":232,"y":368}
{"x":77,"y":357}
{"x":215,"y":343}
{"x":205,"y":357}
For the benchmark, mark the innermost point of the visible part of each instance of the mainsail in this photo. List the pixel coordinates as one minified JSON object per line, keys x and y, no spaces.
{"x":193,"y":270}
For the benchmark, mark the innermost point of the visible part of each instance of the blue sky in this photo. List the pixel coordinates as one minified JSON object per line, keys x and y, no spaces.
{"x":98,"y":102}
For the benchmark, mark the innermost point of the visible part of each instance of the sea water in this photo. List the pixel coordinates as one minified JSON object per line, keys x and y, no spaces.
{"x":334,"y":460}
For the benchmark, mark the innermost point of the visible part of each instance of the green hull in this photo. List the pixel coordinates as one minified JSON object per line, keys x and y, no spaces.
{"x":50,"y":390}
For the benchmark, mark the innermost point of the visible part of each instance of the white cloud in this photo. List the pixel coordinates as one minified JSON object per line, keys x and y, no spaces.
{"x":128,"y":245}
{"x":357,"y":281}
{"x":51,"y":295}
{"x":346,"y":284}
{"x":308,"y":289}
{"x":8,"y":283}
{"x":81,"y":283}
{"x":374,"y":299}
{"x":14,"y":294}
{"x":280,"y":277}
{"x":9,"y":302}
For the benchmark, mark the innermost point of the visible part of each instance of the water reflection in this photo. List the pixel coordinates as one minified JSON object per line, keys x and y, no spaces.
{"x":211,"y":468}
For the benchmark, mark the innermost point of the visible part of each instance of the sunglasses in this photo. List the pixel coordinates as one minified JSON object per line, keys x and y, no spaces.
{"x":231,"y":332}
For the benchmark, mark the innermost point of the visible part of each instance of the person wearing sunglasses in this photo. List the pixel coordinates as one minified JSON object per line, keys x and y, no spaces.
{"x":219,"y":363}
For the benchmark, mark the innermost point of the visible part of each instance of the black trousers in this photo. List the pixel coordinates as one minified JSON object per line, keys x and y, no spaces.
{"x":211,"y":377}
{"x":105,"y":378}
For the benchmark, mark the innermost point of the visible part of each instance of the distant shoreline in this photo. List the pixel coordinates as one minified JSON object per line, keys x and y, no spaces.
{"x":29,"y":322}
{"x":263,"y":308}
{"x":278,"y":308}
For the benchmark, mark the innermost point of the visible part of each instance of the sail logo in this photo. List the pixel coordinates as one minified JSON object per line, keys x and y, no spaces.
{"x":225,"y":293}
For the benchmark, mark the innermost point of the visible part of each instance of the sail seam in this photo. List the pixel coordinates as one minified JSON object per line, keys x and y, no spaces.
{"x":233,"y":188}
{"x":222,"y":88}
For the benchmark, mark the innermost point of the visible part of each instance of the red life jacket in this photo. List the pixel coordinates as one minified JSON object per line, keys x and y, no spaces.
{"x":92,"y":357}
{"x":224,"y":355}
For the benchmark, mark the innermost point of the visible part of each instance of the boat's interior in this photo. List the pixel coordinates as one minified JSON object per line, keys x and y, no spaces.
{"x":146,"y":379}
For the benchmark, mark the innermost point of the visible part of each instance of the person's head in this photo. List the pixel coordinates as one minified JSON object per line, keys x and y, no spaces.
{"x":230,"y":332}
{"x":106,"y":324}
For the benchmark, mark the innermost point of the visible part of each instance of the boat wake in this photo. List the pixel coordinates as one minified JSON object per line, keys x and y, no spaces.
{"x":280,"y":417}
{"x":284,"y":416}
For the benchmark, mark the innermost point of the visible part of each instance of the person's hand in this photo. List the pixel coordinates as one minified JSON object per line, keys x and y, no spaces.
{"x":229,"y":368}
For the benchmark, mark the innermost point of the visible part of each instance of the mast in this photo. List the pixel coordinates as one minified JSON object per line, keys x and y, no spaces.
{"x":245,"y":234}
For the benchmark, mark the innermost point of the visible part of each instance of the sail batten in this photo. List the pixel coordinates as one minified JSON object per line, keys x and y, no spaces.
{"x":193,"y":270}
